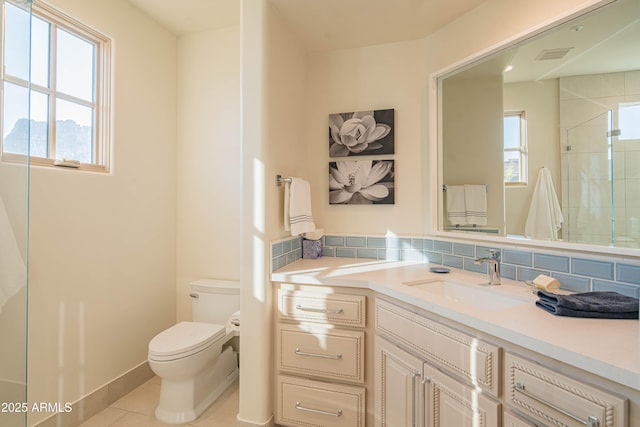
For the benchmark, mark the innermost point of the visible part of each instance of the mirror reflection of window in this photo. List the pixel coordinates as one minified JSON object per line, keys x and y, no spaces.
{"x":515,"y":148}
{"x":629,"y":120}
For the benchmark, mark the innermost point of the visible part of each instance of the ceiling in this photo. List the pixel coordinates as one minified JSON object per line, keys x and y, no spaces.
{"x":604,"y":41}
{"x":319,"y":24}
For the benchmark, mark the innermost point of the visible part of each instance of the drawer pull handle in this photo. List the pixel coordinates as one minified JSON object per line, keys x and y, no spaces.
{"x":320,"y":310}
{"x":318,"y":411}
{"x":324,"y":356}
{"x":590,"y":422}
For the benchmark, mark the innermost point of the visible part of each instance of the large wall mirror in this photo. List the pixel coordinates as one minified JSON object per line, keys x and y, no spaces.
{"x":541,"y":140}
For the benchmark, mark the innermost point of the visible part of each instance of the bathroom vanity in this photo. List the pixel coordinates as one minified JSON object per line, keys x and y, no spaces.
{"x":380,"y":343}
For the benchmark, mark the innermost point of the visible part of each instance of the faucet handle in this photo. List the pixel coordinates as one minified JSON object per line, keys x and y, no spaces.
{"x":494,"y":253}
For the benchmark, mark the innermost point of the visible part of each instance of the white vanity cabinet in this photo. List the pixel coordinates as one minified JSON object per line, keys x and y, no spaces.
{"x":431,"y":375}
{"x":320,"y":357}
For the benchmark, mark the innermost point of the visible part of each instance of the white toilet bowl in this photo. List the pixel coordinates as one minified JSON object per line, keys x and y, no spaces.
{"x":193,"y":362}
{"x":188,"y":357}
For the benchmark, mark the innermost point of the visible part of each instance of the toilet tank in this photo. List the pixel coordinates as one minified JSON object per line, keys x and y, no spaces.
{"x":213,"y":301}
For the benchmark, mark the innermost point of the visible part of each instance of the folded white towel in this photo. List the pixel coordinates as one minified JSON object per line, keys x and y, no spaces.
{"x":545,"y":215}
{"x":475,"y":199}
{"x":297,"y":207}
{"x":456,"y":211}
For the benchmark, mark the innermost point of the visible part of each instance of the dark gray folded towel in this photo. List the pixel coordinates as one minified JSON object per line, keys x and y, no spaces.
{"x":605,"y":305}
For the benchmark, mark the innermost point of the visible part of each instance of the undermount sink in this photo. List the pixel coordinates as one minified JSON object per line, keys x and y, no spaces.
{"x":477,"y":295}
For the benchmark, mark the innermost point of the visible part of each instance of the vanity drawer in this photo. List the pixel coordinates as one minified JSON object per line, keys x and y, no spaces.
{"x":336,"y":309}
{"x":322,"y":352}
{"x":555,"y":399}
{"x":307,"y":403}
{"x":511,"y":420}
{"x":463,"y":355}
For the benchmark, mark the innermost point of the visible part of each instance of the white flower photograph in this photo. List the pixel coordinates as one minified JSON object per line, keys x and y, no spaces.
{"x":361,"y":133}
{"x":362,"y":182}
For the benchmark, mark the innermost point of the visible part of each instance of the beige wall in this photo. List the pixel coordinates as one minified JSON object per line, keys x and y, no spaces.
{"x":376,"y":77}
{"x":208,"y":159}
{"x":540,"y":101}
{"x":103,"y":246}
{"x":473,"y":152}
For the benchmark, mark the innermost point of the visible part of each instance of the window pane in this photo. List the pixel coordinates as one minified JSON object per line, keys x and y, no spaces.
{"x":629,"y":121}
{"x":39,"y":124}
{"x":17,"y":28}
{"x":15,"y":133}
{"x":75,"y":66}
{"x":512,"y":166}
{"x":74,"y":132}
{"x":40,"y":52}
{"x":511,"y":131}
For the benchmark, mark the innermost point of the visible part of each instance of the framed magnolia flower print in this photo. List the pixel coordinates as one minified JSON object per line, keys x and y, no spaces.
{"x":361,"y":133}
{"x":362,"y":182}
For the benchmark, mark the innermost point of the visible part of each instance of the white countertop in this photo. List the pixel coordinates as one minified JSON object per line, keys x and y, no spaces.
{"x":606,"y":347}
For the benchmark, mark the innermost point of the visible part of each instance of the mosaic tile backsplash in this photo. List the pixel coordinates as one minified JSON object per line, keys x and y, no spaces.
{"x":575,"y":272}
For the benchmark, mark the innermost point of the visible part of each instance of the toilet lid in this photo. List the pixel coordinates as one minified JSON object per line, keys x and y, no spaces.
{"x":185,"y":338}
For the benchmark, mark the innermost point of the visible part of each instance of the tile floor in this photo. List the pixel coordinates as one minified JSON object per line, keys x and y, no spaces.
{"x":136,"y":410}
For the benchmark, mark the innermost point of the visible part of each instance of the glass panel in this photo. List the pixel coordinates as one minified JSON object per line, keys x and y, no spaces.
{"x":75,"y":58}
{"x":74,"y":132}
{"x":40,"y":52}
{"x":511,"y":131}
{"x":39,"y":124}
{"x":587,"y":184}
{"x":16,"y":44}
{"x":15,"y":132}
{"x":14,"y":218}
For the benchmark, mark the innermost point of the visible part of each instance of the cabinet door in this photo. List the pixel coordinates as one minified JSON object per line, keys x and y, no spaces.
{"x":451,"y":403}
{"x":397,"y":375}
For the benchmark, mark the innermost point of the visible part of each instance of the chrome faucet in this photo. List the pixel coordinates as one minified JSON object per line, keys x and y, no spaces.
{"x":494,"y":265}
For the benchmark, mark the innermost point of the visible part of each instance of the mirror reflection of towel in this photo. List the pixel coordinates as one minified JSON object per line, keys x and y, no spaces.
{"x":456,"y":211}
{"x":467,"y":204}
{"x":545,"y":215}
{"x":475,"y":199}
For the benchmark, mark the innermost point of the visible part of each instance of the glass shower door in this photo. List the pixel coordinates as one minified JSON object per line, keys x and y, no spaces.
{"x":14,"y":203}
{"x":588,"y":182}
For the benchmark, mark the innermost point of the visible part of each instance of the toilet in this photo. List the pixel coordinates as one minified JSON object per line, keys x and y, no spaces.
{"x":198,"y":360}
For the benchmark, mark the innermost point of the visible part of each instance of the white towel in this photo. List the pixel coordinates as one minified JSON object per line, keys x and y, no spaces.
{"x":13,"y":271}
{"x":297,"y":207}
{"x":545,"y":215}
{"x":475,"y":200}
{"x":456,"y":211}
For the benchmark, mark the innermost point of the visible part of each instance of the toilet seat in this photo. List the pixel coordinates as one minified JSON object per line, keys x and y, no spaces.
{"x":184,"y":339}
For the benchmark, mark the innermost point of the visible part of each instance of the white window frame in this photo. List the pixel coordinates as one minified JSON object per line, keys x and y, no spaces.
{"x":101,"y":104}
{"x":522,"y":149}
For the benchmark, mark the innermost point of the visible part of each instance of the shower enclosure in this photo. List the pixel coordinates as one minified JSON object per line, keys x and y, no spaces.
{"x":600,"y":179}
{"x":14,"y":204}
{"x":600,"y":158}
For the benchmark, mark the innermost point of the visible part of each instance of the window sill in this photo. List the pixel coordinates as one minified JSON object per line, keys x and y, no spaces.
{"x":39,"y":161}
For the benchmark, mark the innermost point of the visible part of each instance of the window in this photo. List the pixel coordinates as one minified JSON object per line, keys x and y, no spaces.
{"x":629,"y":120}
{"x":515,"y":148}
{"x":68,"y":80}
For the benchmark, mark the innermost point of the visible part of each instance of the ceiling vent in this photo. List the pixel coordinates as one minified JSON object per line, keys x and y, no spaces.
{"x":548,"y":54}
